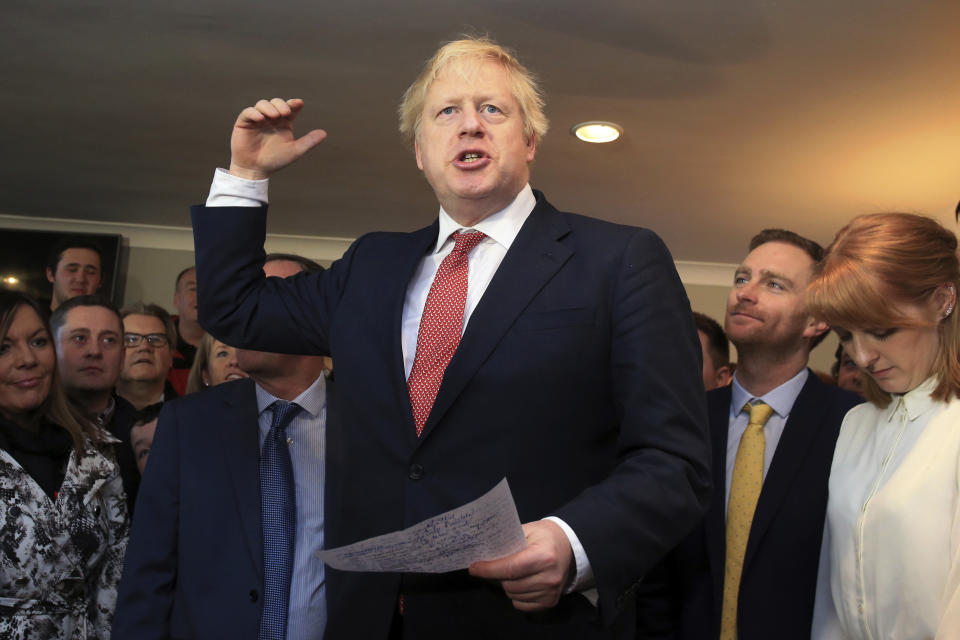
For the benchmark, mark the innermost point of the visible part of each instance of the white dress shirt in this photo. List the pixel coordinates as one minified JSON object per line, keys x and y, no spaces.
{"x":890,"y":561}
{"x":306,"y":437}
{"x":501,"y":229}
{"x":781,"y":400}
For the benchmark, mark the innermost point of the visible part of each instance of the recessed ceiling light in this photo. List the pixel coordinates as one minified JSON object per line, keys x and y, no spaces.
{"x":597,"y":131}
{"x":11,"y":280}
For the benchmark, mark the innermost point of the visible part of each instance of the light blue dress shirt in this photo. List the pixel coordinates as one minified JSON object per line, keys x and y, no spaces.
{"x":306,"y":436}
{"x":780,"y":400}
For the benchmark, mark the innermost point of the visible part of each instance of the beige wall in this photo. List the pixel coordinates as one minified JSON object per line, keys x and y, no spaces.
{"x":151,"y":272}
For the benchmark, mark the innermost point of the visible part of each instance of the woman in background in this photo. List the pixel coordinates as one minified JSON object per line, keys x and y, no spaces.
{"x":63,"y":514}
{"x":214,"y":363}
{"x":889,"y":564}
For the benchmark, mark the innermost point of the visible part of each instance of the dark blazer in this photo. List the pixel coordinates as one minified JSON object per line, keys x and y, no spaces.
{"x":577,"y":378}
{"x":684,"y":596}
{"x":194,"y":566}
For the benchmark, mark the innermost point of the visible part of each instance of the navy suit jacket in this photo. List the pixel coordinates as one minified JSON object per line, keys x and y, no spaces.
{"x":778,"y":583}
{"x":194,"y":565}
{"x":577,"y":378}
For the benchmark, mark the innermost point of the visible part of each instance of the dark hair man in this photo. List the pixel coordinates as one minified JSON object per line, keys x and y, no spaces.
{"x":88,"y":334}
{"x":75,"y":268}
{"x":749,"y":570}
{"x":453,"y":346}
{"x":716,"y":352}
{"x":209,"y":445}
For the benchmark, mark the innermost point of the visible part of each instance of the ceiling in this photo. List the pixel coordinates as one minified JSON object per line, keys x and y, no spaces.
{"x":738,"y":114}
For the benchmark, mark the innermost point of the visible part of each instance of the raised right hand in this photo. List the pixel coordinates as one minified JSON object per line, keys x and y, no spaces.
{"x":263,"y":142}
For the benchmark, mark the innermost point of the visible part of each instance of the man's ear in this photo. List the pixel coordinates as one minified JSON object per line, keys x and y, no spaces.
{"x":49,"y":275}
{"x":416,"y":151}
{"x":724,"y":375}
{"x":815,"y":328}
{"x":531,"y":149}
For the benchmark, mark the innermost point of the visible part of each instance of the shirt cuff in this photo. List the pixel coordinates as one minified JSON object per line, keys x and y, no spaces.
{"x":583,"y":579}
{"x":228,"y":190}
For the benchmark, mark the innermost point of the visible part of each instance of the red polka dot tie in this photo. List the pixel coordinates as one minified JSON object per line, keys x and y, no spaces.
{"x":440,"y":327}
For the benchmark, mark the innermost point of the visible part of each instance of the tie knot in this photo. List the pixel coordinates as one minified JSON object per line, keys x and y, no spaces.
{"x":760,"y":412}
{"x":465,"y":241}
{"x":283,"y":413}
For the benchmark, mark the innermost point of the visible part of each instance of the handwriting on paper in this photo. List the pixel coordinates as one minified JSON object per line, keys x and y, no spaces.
{"x":485,"y":529}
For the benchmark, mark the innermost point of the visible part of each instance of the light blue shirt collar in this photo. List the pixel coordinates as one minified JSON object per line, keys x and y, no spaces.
{"x":502,"y":227}
{"x":780,"y":399}
{"x":312,"y":400}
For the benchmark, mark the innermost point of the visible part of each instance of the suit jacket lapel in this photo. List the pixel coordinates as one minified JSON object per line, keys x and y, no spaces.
{"x":240,"y":437}
{"x":534,"y":257}
{"x":422,"y":242}
{"x":716,"y":520}
{"x":803,"y":425}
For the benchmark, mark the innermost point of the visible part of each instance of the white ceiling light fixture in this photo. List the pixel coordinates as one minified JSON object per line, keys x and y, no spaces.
{"x":597,"y":131}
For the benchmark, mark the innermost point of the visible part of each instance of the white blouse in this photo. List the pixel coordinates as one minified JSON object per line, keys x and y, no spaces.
{"x":891,"y":547}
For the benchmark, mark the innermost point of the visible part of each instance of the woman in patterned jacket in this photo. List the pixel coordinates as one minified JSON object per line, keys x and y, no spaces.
{"x":63,"y":516}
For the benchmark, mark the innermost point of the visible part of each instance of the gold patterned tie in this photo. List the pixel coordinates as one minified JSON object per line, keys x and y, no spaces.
{"x":744,"y":491}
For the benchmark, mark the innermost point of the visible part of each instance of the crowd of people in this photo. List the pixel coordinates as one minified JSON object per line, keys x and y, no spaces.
{"x":166,"y":477}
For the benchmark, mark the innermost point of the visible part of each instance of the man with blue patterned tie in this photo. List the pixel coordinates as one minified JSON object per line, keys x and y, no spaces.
{"x":225,"y":544}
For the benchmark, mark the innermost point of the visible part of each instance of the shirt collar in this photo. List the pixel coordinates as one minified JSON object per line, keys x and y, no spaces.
{"x":104,"y":418}
{"x":312,"y":400}
{"x":780,"y":399}
{"x":915,"y":402}
{"x":502,"y":227}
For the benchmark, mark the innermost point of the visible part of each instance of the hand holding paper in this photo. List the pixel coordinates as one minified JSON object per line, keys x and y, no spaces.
{"x":535,"y":577}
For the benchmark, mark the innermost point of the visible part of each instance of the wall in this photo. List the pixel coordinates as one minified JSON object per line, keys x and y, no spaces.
{"x":156,"y":254}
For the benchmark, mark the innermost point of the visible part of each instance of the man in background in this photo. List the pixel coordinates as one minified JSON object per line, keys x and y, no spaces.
{"x":88,"y":334}
{"x":148,"y":336}
{"x":749,"y":571}
{"x":189,"y":331}
{"x":74,"y":268}
{"x":199,"y":564}
{"x":716,"y":352}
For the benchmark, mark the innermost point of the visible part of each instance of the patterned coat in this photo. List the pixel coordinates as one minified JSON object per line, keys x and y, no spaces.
{"x":60,"y":561}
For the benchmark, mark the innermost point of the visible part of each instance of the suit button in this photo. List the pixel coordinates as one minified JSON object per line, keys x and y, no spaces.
{"x":254,"y":595}
{"x":15,"y":511}
{"x":416,"y":472}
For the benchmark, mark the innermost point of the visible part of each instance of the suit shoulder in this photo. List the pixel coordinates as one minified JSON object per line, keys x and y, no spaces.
{"x":211,"y":396}
{"x":836,"y":398}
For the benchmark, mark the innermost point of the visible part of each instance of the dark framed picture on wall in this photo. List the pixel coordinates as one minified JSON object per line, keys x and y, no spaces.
{"x":26,"y":256}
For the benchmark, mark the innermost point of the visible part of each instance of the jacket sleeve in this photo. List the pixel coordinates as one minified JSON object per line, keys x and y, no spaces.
{"x":659,"y":489}
{"x":149,"y":579}
{"x":240,"y":306}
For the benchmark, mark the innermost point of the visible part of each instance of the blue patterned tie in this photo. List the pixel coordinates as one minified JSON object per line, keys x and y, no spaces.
{"x":278,"y":509}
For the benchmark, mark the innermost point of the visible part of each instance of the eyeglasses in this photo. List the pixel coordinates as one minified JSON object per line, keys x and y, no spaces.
{"x":155,"y":340}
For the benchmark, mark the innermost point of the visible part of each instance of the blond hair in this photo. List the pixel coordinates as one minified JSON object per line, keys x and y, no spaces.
{"x":879,"y":263}
{"x":474,"y":50}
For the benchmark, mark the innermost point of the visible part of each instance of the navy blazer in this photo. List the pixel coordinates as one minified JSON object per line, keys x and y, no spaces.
{"x":778,"y":583}
{"x":194,"y":565}
{"x":577,"y":378}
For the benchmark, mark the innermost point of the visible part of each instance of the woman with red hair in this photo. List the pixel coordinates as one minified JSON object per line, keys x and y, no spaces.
{"x":890,"y":562}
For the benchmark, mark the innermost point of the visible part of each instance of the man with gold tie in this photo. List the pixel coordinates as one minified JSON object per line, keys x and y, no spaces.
{"x":749,"y":570}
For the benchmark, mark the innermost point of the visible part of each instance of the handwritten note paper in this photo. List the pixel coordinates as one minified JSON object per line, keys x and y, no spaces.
{"x":484,"y":529}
